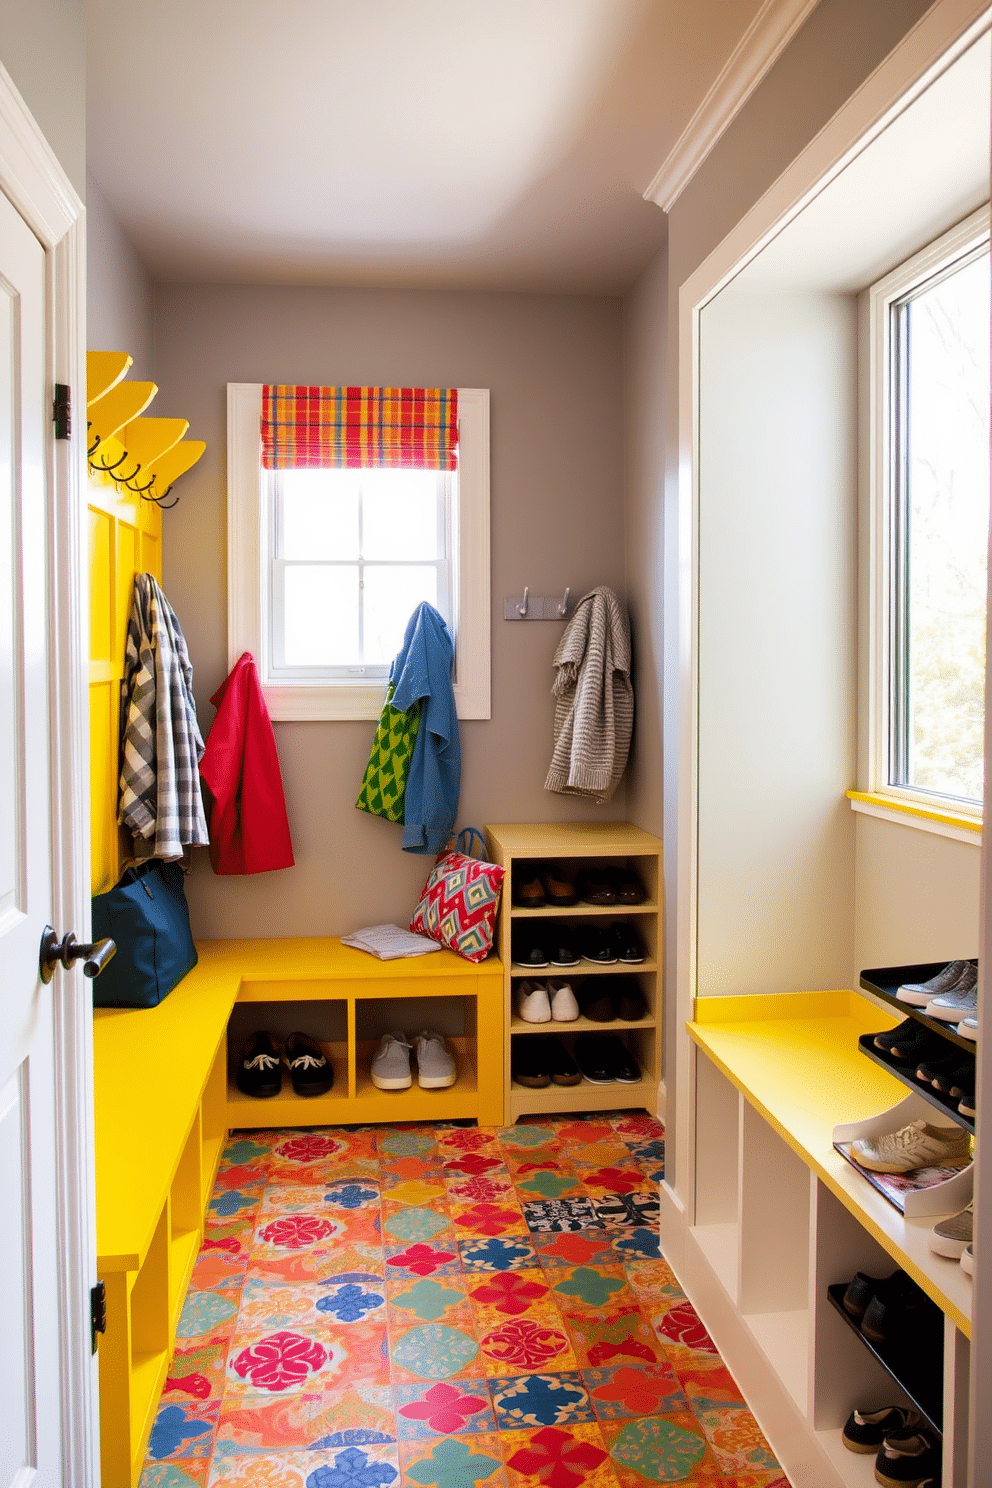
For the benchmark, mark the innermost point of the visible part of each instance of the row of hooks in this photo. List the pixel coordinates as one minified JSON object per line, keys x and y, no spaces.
{"x":144,"y":455}
{"x":536,"y":606}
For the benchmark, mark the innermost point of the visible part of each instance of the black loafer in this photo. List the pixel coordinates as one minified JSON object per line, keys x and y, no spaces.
{"x":309,"y":1068}
{"x":531,"y":951}
{"x":561,"y":947}
{"x":597,"y":947}
{"x":529,"y":1062}
{"x":625,"y":1068}
{"x":260,"y":1072}
{"x":626,"y":942}
{"x":631,"y":1006}
{"x":596,"y":1001}
{"x":627,"y":886}
{"x":564,"y":1070}
{"x":592,"y":1059}
{"x":860,"y":1290}
{"x":595,"y":886}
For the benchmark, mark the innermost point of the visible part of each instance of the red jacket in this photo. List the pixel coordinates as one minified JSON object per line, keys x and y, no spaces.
{"x":249,"y":832}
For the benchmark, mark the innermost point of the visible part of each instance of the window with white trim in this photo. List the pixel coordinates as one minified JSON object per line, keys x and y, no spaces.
{"x":325,"y":567}
{"x":929,"y":355}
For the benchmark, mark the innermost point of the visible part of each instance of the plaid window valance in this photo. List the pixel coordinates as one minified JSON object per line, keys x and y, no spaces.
{"x":350,"y":427}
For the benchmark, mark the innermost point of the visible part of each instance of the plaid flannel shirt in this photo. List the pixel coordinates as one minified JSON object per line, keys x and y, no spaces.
{"x":160,"y":802}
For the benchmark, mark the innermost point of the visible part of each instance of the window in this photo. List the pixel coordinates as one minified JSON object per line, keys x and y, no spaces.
{"x":325,"y":567}
{"x":929,"y":335}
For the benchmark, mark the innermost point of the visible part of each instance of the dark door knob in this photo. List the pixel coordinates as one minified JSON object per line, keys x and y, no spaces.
{"x":62,"y":953}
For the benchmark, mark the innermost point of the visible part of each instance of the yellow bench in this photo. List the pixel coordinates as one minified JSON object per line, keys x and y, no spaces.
{"x":164,"y":1102}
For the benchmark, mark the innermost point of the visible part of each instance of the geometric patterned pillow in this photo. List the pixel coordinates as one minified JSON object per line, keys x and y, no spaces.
{"x":458,"y":905}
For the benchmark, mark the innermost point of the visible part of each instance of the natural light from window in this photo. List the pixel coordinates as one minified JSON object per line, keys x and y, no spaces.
{"x":354,"y":553}
{"x":941,"y":520}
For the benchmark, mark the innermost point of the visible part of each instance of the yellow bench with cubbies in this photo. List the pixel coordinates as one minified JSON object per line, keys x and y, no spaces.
{"x":165,"y":1099}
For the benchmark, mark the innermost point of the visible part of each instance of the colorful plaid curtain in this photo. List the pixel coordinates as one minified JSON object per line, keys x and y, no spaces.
{"x":349,"y":427}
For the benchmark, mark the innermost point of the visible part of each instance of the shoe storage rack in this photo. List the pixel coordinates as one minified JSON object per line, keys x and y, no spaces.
{"x":884,"y":982}
{"x":523,"y":849}
{"x":779,"y":1223}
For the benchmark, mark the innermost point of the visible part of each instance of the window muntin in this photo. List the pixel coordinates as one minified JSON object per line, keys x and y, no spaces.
{"x":939,"y":504}
{"x":353,"y":552}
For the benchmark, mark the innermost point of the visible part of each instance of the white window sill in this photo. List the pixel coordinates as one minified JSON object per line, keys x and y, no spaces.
{"x":959,"y":826}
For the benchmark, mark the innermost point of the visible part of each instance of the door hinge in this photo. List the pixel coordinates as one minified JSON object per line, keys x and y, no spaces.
{"x":98,"y":1311}
{"x":61,"y":411}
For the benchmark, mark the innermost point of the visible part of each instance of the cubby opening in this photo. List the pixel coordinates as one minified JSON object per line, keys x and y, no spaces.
{"x":716,"y":1220}
{"x":150,"y":1332}
{"x":185,"y":1217}
{"x":325,"y":1020}
{"x":775,"y":1250}
{"x":453,"y":1017}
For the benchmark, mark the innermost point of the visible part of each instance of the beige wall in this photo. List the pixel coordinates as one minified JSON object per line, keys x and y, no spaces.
{"x":43,"y":47}
{"x":553,"y":367}
{"x":916,"y":895}
{"x":118,"y":289}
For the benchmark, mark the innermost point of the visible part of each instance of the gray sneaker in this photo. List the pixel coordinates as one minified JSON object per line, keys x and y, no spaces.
{"x":920,"y":993}
{"x":435,"y":1063}
{"x":950,"y":1237}
{"x":968,"y":1027}
{"x":391,"y":1065}
{"x":960,"y":1001}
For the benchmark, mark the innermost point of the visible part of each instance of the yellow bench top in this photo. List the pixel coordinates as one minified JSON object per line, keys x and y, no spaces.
{"x":795,"y":1058}
{"x":150,"y":1066}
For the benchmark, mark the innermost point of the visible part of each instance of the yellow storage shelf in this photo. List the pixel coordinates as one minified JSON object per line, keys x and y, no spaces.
{"x":794,"y":1057}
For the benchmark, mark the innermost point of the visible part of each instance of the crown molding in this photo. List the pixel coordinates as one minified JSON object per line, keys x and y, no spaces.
{"x":770,"y":32}
{"x":33,"y":178}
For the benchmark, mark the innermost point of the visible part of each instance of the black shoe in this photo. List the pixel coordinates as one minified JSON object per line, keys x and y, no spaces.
{"x":592,"y":1057}
{"x":928,"y":1071}
{"x":625,"y":940}
{"x":595,"y":886}
{"x":629,"y":1000}
{"x":597,"y":947}
{"x":860,"y":1290}
{"x":884,"y":1041}
{"x":918,"y":1046}
{"x":529,"y":1061}
{"x":531,"y":950}
{"x":627,"y":886}
{"x":564,"y":1070}
{"x":309,"y":1068}
{"x":625,"y":1067}
{"x":561,"y":947}
{"x":961,"y":1076}
{"x":595,"y":1001}
{"x":908,"y":1458}
{"x":900,"y":1314}
{"x":865,"y":1431}
{"x":260,"y":1072}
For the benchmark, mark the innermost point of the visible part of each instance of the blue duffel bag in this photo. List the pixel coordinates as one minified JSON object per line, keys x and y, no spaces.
{"x":147,"y":917}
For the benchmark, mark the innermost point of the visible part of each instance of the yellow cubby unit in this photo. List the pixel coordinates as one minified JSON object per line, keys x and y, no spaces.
{"x":524,"y":848}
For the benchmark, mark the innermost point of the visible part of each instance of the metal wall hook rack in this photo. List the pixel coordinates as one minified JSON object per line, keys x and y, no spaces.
{"x":529,"y":606}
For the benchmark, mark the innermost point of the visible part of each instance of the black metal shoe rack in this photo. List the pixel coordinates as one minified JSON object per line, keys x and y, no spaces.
{"x":884,"y":982}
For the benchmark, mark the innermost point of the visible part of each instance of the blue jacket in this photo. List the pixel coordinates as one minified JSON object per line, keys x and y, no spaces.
{"x":422,"y":671}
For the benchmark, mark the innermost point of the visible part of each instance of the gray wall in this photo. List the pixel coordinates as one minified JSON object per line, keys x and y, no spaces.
{"x":553,"y":365}
{"x":43,"y":47}
{"x":119,"y":289}
{"x":836,"y":49}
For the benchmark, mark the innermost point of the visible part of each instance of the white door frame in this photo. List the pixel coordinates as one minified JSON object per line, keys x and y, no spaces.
{"x":35,"y":183}
{"x":941,"y":35}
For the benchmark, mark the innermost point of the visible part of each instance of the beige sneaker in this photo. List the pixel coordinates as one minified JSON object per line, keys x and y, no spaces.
{"x":950,"y":1236}
{"x":918,"y":1145}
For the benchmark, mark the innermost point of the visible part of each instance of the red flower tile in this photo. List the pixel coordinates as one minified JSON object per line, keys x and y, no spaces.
{"x":423,"y":1259}
{"x":573,"y":1248}
{"x":480,"y":1188}
{"x":473,"y":1163}
{"x":556,"y":1458}
{"x":309,"y":1148}
{"x":297,"y":1231}
{"x":508,"y":1292}
{"x":616,"y":1180}
{"x":444,"y":1408}
{"x":488,"y":1219}
{"x":584,"y":1133}
{"x":280,"y":1361}
{"x":196,"y":1385}
{"x":524,"y":1344}
{"x":228,"y":1243}
{"x":468,"y":1141}
{"x":637,"y":1389}
{"x":682,"y":1325}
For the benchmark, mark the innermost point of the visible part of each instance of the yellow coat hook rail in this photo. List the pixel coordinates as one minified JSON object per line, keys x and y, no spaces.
{"x":144,"y":455}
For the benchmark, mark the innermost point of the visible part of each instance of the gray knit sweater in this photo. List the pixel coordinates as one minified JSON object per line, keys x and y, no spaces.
{"x":594,"y":700}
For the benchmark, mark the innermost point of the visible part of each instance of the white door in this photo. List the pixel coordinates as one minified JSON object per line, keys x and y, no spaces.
{"x":30,"y":1404}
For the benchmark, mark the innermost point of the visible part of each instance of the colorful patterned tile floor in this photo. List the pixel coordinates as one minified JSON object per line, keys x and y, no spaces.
{"x":446,"y":1307}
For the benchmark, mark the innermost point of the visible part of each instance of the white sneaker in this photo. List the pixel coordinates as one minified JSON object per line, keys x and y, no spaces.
{"x":533,"y":1003}
{"x":951,"y":1236}
{"x":968,"y":1027}
{"x":564,"y":1008}
{"x":436,"y":1068}
{"x":918,"y":1145}
{"x":920,"y":993}
{"x":961,"y":1001}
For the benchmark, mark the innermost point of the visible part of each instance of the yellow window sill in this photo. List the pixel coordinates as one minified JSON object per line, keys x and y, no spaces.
{"x":945,"y":823}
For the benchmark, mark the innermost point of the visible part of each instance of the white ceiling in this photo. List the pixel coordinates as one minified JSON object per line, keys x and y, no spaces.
{"x":497,"y":144}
